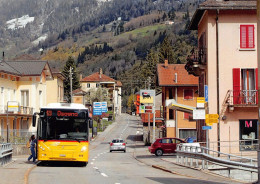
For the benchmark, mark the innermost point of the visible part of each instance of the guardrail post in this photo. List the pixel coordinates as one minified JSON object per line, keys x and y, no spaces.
{"x":203,"y":164}
{"x":191,"y":162}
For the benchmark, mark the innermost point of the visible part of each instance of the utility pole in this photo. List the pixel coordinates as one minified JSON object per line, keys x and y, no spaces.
{"x":71,"y":100}
{"x":258,"y":90}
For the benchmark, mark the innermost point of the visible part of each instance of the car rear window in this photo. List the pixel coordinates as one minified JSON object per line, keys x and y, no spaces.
{"x":165,"y":141}
{"x":117,"y":141}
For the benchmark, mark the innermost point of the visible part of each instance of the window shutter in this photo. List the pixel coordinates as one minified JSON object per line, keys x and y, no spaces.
{"x":243,"y":36}
{"x":250,"y":37}
{"x":236,"y":85}
{"x":256,"y":84}
{"x":186,"y":115}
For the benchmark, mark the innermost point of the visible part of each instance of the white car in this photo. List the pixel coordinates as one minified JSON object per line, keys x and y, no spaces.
{"x":117,"y":145}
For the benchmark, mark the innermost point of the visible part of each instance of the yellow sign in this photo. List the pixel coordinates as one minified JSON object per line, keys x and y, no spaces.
{"x":200,"y":99}
{"x":146,"y":100}
{"x":209,"y":124}
{"x":211,"y":118}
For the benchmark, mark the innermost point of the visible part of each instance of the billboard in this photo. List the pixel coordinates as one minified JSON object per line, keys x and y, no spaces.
{"x":147,"y":96}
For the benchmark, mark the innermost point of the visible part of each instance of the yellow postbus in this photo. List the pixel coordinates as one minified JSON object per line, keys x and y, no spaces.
{"x":63,"y":132}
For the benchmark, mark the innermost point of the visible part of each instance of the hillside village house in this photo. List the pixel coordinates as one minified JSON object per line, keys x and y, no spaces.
{"x":226,"y":61}
{"x":32,"y":84}
{"x":98,"y":79}
{"x":178,"y":85}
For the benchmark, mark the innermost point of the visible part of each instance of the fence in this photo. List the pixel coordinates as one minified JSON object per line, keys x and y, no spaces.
{"x":205,"y":158}
{"x":5,"y":153}
{"x":16,"y":136}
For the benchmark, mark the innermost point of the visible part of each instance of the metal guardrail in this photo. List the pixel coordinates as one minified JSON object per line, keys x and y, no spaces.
{"x":186,"y":155}
{"x":6,"y":152}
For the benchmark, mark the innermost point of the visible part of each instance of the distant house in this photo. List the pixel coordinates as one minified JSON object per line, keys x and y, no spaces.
{"x":98,"y":79}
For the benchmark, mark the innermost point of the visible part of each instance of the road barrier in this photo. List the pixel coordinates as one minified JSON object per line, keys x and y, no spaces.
{"x":6,"y":152}
{"x":201,"y":157}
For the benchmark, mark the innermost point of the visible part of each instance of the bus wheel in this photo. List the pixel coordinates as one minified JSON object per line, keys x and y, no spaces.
{"x":84,"y":164}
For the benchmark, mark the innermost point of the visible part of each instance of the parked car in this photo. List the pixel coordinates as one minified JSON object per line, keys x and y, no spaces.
{"x":164,"y":145}
{"x":117,"y":145}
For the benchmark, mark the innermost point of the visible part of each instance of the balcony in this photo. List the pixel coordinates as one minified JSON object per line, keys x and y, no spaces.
{"x":196,"y":61}
{"x":23,"y":110}
{"x":243,"y":98}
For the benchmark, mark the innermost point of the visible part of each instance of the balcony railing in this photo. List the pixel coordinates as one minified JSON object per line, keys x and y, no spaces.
{"x":196,"y":61}
{"x":243,"y":97}
{"x":21,"y":110}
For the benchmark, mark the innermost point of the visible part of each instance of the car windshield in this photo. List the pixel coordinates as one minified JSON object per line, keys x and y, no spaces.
{"x":70,"y":128}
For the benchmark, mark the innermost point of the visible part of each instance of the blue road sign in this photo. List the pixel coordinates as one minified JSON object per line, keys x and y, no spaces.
{"x":97,"y":108}
{"x":206,"y":93}
{"x":206,"y":127}
{"x":104,"y":106}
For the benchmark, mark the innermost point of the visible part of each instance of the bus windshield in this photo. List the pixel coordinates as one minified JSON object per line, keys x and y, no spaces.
{"x":63,"y":128}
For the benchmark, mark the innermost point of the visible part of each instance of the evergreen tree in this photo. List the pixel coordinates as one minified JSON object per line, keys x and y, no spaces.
{"x":75,"y":81}
{"x":166,"y":51}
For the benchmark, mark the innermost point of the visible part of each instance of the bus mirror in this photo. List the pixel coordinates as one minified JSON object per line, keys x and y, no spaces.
{"x":90,"y":123}
{"x":34,"y":120}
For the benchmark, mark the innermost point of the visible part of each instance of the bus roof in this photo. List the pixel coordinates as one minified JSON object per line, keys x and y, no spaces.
{"x":65,"y":106}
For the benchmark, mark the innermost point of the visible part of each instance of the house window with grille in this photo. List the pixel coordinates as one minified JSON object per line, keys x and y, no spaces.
{"x":188,"y":94}
{"x":247,"y":38}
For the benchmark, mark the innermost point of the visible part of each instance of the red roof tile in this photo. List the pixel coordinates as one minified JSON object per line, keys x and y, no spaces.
{"x":95,"y":77}
{"x":166,"y":76}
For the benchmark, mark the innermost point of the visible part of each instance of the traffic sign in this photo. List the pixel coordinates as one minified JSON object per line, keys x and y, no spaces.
{"x":200,"y":102}
{"x":212,"y":118}
{"x":199,"y":114}
{"x":206,"y":127}
{"x":206,"y":93}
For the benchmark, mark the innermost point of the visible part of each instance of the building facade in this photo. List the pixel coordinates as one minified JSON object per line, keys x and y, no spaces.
{"x":226,"y":61}
{"x":177,"y":85}
{"x":99,"y":80}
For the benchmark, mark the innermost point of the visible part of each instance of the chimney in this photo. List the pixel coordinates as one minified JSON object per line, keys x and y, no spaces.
{"x":176,"y":78}
{"x":166,"y":63}
{"x":100,"y":72}
{"x":80,"y":77}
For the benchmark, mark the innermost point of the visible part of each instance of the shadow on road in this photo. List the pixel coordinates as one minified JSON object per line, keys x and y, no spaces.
{"x":61,"y":164}
{"x":179,"y":180}
{"x":135,"y":137}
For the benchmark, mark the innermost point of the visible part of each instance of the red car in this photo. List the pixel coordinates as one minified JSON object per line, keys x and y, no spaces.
{"x":164,"y":145}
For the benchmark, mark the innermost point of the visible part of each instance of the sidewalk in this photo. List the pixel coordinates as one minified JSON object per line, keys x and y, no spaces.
{"x":16,"y":171}
{"x":167,"y":163}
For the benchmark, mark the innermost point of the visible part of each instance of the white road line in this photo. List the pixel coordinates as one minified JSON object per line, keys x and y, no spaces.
{"x":103,"y":174}
{"x":92,"y":163}
{"x":95,"y":168}
{"x":93,"y":159}
{"x":117,"y":183}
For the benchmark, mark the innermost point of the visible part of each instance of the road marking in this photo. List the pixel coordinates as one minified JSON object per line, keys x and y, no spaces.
{"x":103,"y":174}
{"x":91,"y":163}
{"x":117,"y":183}
{"x":95,"y":168}
{"x":93,"y":159}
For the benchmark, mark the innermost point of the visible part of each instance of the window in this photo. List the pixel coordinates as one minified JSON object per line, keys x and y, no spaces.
{"x":25,"y":98}
{"x":171,"y":114}
{"x":166,"y":141}
{"x":2,"y":128}
{"x":170,"y":93}
{"x":247,"y":39}
{"x":176,"y":141}
{"x":88,"y":85}
{"x":248,"y":134}
{"x":185,"y":133}
{"x":188,"y":94}
{"x":186,"y":115}
{"x":97,"y":85}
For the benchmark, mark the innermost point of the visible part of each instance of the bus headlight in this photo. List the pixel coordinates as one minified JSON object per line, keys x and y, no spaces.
{"x":84,"y":148}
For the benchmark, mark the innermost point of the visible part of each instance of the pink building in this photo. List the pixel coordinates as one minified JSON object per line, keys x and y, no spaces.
{"x":226,"y":61}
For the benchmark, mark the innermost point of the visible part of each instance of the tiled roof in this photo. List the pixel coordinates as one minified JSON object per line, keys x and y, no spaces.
{"x":95,"y":77}
{"x":119,"y":84}
{"x":78,"y":92}
{"x":28,"y":67}
{"x":4,"y":67}
{"x":219,"y":5}
{"x":166,"y":76}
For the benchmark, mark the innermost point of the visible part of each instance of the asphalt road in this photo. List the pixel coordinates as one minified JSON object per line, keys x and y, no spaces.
{"x":106,"y":167}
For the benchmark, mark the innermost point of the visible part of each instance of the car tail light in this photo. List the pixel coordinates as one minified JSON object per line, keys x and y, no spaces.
{"x":111,"y":144}
{"x":123,"y":144}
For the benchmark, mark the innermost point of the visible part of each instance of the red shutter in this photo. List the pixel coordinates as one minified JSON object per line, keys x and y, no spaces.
{"x":247,"y":36}
{"x":236,"y":85}
{"x":243,"y":36}
{"x":250,"y":38}
{"x":256,"y":84}
{"x":186,"y":115}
